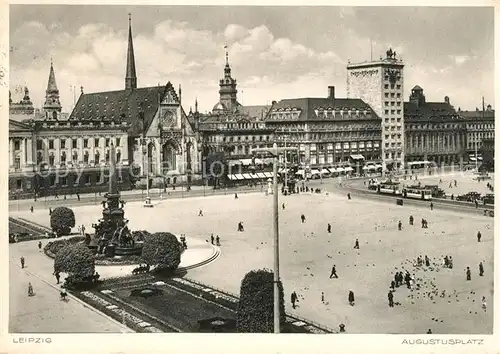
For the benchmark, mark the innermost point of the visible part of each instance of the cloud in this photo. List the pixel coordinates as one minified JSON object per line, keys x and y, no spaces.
{"x":268,"y":64}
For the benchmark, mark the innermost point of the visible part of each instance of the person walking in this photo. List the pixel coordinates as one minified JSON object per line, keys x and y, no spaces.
{"x":39,"y":245}
{"x":303,"y":218}
{"x":58,"y":276}
{"x":467,"y":273}
{"x":31,"y":208}
{"x":427,"y":261}
{"x":351,"y":298}
{"x":400,"y":225}
{"x":411,"y":220}
{"x":479,"y":236}
{"x":200,"y":213}
{"x":356,"y":244}
{"x":235,"y":195}
{"x":22,"y":262}
{"x":481,"y":269}
{"x":334,"y":272}
{"x":283,"y":206}
{"x":293,"y":299}
{"x":30,"y":290}
{"x":50,"y":211}
{"x":349,"y":196}
{"x":212,"y":239}
{"x":393,"y":285}
{"x":432,"y":206}
{"x":217,"y":240}
{"x":390,"y":296}
{"x":483,"y":303}
{"x":329,"y":228}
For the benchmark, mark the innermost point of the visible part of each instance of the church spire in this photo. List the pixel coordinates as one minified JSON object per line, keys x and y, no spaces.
{"x":52,"y":105}
{"x":130,"y":76}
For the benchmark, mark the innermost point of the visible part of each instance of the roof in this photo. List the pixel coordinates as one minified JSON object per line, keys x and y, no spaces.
{"x":255,"y":111}
{"x":122,"y":105}
{"x":308,"y":106}
{"x":478,"y":114}
{"x":51,"y":84}
{"x":416,"y":87}
{"x":429,"y":111}
{"x":15,"y":125}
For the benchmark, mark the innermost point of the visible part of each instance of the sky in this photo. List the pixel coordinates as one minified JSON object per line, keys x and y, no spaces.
{"x":274,"y":52}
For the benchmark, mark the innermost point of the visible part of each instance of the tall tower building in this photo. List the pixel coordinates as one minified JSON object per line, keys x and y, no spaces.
{"x":130,"y":76}
{"x":227,"y":91}
{"x":52,"y":106}
{"x":381,"y":85}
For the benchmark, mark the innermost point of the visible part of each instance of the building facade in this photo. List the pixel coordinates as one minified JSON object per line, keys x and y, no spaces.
{"x":381,"y":85}
{"x":435,"y":132}
{"x":480,"y":126}
{"x":327,"y":131}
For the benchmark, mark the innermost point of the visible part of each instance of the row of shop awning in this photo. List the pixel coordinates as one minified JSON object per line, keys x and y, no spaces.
{"x":372,"y":167}
{"x":247,"y":176}
{"x":248,"y":162}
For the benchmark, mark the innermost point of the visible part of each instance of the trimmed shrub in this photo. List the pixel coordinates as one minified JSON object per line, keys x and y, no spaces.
{"x":62,"y":220}
{"x":76,"y":260}
{"x":162,"y":250}
{"x":53,"y":247}
{"x":255,"y":309}
{"x":140,"y":235}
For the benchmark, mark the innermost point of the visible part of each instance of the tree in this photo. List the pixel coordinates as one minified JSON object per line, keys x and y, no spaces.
{"x":162,"y":250}
{"x":76,"y":260}
{"x":255,"y":309}
{"x":62,"y":220}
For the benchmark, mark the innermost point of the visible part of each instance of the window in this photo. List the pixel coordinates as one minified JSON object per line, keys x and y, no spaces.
{"x":64,"y":181}
{"x":118,"y":141}
{"x":387,"y":120}
{"x":392,"y":94}
{"x":386,"y":111}
{"x":392,"y":103}
{"x":87,"y":179}
{"x":398,"y":95}
{"x":399,"y":111}
{"x":392,"y":111}
{"x":51,"y":159}
{"x":386,"y":155}
{"x":387,"y":136}
{"x":387,"y":94}
{"x":398,"y":86}
{"x":386,"y":86}
{"x":85,"y":143}
{"x":118,"y":156}
{"x":386,"y":103}
{"x":97,"y":157}
{"x":386,"y":145}
{"x":17,"y":145}
{"x":86,"y":157}
{"x":107,"y":156}
{"x":63,"y":158}
{"x":96,"y":142}
{"x":39,"y":145}
{"x":108,"y":140}
{"x":399,"y":120}
{"x":63,"y":143}
{"x":398,"y":104}
{"x":75,"y":156}
{"x":51,"y":144}
{"x":74,"y":143}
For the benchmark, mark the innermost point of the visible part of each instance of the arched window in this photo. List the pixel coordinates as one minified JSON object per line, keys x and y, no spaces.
{"x":54,"y":115}
{"x":118,"y":156}
{"x":75,"y":156}
{"x":97,"y":157}
{"x":51,"y":159}
{"x":39,"y":157}
{"x":86,"y":157}
{"x":107,"y":156}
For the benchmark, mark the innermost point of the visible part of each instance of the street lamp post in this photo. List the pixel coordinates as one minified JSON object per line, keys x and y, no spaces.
{"x":275,"y":151}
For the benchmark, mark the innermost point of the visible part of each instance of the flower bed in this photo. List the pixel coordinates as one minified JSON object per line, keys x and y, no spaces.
{"x":128,"y":260}
{"x":53,"y":247}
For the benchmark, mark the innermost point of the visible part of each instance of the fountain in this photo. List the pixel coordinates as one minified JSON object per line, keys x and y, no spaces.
{"x":112,"y":235}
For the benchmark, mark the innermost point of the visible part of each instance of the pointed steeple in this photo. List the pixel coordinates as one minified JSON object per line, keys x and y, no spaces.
{"x":52,"y":105}
{"x":130,"y":76}
{"x":51,"y":85}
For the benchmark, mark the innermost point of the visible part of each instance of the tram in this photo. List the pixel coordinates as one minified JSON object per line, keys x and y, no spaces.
{"x":416,"y":192}
{"x":389,"y":187}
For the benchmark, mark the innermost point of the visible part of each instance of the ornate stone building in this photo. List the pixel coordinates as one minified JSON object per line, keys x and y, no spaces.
{"x":480,"y":126}
{"x":23,"y":109}
{"x":52,"y":154}
{"x":327,"y":131}
{"x":231,"y":128}
{"x":380,"y":84}
{"x":434,"y":130}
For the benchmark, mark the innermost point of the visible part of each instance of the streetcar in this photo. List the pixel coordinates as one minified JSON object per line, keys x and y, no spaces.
{"x":389,"y":187}
{"x":416,"y":192}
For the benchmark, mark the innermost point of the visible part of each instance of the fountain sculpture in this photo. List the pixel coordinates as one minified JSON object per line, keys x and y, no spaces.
{"x":112,"y":235}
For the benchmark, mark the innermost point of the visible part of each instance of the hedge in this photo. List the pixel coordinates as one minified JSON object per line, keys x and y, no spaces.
{"x":62,"y":219}
{"x":76,"y":260}
{"x":256,"y":305}
{"x":162,"y":250}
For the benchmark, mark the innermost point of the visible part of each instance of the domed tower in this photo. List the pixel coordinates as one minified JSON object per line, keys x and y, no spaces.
{"x":227,"y":92}
{"x":52,"y":106}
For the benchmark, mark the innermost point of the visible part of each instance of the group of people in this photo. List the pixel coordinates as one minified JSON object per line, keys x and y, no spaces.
{"x":216,"y":239}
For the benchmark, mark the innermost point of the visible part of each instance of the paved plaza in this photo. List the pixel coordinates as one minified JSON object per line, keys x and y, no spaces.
{"x":308,"y":252}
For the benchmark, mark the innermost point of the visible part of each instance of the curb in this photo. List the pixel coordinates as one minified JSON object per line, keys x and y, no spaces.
{"x":213,"y":257}
{"x":83,"y":303}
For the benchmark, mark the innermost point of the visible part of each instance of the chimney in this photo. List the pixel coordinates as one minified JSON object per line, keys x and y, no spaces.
{"x":446,"y":100}
{"x":331,"y":92}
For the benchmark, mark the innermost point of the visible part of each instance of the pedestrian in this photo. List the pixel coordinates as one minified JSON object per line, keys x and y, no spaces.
{"x":240,"y":227}
{"x":429,"y":330}
{"x":393,"y":285}
{"x":411,"y":220}
{"x":322,"y":297}
{"x":303,"y":218}
{"x":50,"y":211}
{"x":423,"y":223}
{"x":22,"y":262}
{"x":483,"y":303}
{"x":39,"y":245}
{"x":450,"y":263}
{"x":481,"y":269}
{"x":467,"y":272}
{"x":356,"y":244}
{"x":31,"y":208}
{"x":390,"y":296}
{"x":396,"y":280}
{"x":334,"y":272}
{"x":329,"y":228}
{"x":78,"y":196}
{"x":400,"y":225}
{"x":212,"y":239}
{"x":30,"y":290}
{"x":432,"y":206}
{"x":349,"y":196}
{"x":427,"y":261}
{"x":217,"y":240}
{"x":479,"y":236}
{"x":58,"y":276}
{"x":351,"y":298}
{"x":293,"y":299}
{"x":455,"y":182}
{"x":446,"y":261}
{"x":235,"y":195}
{"x":283,"y":206}
{"x":200,"y":213}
